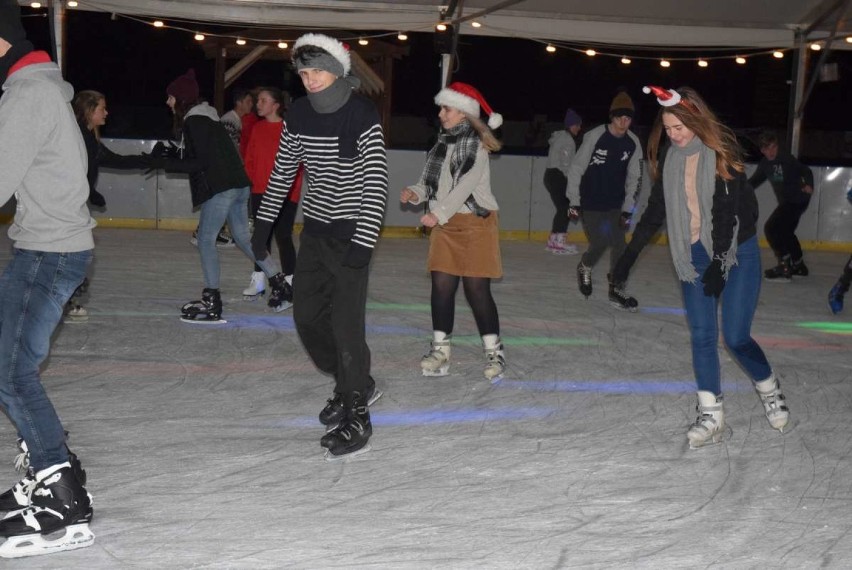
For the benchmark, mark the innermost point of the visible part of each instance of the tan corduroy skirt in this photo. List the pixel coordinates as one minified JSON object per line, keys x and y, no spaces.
{"x":467,"y":246}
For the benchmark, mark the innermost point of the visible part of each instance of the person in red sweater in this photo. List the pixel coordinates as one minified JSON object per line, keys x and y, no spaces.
{"x":259,"y":160}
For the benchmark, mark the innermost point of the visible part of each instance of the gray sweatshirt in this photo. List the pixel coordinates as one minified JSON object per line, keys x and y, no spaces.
{"x":43,"y":162}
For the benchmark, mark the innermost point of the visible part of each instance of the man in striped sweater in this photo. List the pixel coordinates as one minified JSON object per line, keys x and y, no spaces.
{"x":336,"y":133}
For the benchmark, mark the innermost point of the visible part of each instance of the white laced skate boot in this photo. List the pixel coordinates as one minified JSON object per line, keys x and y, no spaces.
{"x":709,"y":426}
{"x":437,"y":361}
{"x":495,"y":359}
{"x":59,"y":504}
{"x":774,"y":404}
{"x":256,"y":288}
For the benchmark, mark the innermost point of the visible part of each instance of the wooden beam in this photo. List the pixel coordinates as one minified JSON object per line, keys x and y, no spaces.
{"x":234,"y":72}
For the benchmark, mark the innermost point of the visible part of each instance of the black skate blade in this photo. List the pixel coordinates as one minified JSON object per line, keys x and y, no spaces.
{"x":203,"y":321}
{"x":282,"y":307}
{"x":334,"y":458}
{"x":621,"y":307}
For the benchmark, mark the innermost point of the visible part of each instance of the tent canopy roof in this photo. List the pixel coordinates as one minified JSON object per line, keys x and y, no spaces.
{"x":752,"y":23}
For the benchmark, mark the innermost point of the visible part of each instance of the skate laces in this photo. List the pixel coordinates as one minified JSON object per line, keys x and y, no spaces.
{"x":586,"y":274}
{"x":773,"y":401}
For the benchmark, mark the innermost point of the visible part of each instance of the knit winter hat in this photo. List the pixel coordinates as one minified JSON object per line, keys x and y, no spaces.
{"x":572,"y":118}
{"x":11,"y":28}
{"x":337,"y":61}
{"x":184,"y":88}
{"x":621,"y":105}
{"x":467,"y":99}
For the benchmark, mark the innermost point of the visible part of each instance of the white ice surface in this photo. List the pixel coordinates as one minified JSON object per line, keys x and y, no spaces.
{"x":202,"y":444}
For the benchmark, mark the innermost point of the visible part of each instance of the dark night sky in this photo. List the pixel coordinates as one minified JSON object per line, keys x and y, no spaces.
{"x":132,"y":62}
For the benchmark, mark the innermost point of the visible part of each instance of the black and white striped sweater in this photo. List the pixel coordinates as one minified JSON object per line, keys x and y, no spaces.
{"x":346,"y":168}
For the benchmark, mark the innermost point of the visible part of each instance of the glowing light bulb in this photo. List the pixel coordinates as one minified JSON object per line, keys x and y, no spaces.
{"x":402,"y":36}
{"x":363,"y":42}
{"x":702,"y":63}
{"x":199,"y":37}
{"x":741,"y":60}
{"x":476,"y":24}
{"x":550,"y":48}
{"x":591,"y":52}
{"x":441,"y":27}
{"x":665,"y":63}
{"x":35,"y":5}
{"x":72,"y":4}
{"x":241,"y":42}
{"x":816,"y":47}
{"x":282,"y":45}
{"x":626,"y":60}
{"x":778,"y":54}
{"x":158,"y":23}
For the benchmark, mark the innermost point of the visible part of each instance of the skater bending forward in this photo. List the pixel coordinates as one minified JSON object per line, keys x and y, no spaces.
{"x":336,"y":133}
{"x":43,"y":163}
{"x":700,"y":190}
{"x":464,"y":244}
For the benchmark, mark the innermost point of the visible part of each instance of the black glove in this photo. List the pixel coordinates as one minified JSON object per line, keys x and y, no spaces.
{"x":625,"y":219}
{"x":574,"y":212}
{"x":161,"y":150}
{"x":259,"y":239}
{"x":357,"y":256}
{"x":622,"y":267}
{"x":96,"y":198}
{"x":713,"y":279}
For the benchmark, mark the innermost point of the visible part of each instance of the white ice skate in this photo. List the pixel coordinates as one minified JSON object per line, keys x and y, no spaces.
{"x":437,"y":361}
{"x":256,"y":288}
{"x":774,"y":404}
{"x":495,"y":359}
{"x":709,"y":426}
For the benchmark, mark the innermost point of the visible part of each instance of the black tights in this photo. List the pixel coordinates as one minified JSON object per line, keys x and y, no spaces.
{"x":477,"y":290}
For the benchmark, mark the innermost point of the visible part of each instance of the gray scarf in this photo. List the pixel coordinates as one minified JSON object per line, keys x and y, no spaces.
{"x":334,"y":96}
{"x":677,"y":212}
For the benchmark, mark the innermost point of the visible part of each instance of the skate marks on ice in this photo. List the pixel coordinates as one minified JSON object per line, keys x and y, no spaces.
{"x":202,"y":444}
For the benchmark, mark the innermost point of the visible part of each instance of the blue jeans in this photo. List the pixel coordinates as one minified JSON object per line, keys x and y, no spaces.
{"x":739,"y":301}
{"x":230,"y":205}
{"x":34,"y":288}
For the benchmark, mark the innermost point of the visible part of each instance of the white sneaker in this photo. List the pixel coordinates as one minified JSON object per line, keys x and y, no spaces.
{"x":495,"y":359}
{"x":709,"y":426}
{"x":774,"y":403}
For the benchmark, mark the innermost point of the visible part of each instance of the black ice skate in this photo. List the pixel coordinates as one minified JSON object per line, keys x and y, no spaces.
{"x":835,"y":297}
{"x":18,"y":497}
{"x":57,"y":519}
{"x":352,"y":435}
{"x":584,"y":280}
{"x":334,"y":410}
{"x":621,"y":300}
{"x":799,"y":269}
{"x":781,"y":273}
{"x":206,"y":311}
{"x":281,"y":297}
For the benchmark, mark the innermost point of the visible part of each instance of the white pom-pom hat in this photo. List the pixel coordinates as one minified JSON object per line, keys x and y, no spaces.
{"x":665,"y":97}
{"x":468,"y":99}
{"x":337,"y":49}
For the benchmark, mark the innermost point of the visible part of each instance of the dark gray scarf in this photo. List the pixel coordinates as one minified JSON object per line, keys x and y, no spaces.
{"x":334,"y":96}
{"x":677,"y":212}
{"x":466,"y":141}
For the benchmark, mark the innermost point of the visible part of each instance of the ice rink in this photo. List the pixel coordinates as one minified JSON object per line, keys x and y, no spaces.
{"x":202,"y":443}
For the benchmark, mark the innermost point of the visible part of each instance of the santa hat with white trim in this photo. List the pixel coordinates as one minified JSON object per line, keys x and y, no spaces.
{"x":468,"y":99}
{"x":665,"y":97}
{"x":338,"y":50}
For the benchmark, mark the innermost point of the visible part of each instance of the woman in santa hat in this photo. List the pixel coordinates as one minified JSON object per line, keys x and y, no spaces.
{"x":462,"y":212}
{"x":701,"y":192}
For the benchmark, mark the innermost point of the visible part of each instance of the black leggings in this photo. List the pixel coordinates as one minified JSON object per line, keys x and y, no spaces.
{"x":477,"y":290}
{"x":283,"y":231}
{"x":846,"y":276}
{"x":556,"y":184}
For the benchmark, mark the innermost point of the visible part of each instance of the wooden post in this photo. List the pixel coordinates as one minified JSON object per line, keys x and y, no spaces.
{"x":219,"y":80}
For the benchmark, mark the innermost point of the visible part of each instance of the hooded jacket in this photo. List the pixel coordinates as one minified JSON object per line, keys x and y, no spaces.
{"x":43,"y":161}
{"x":209,"y":156}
